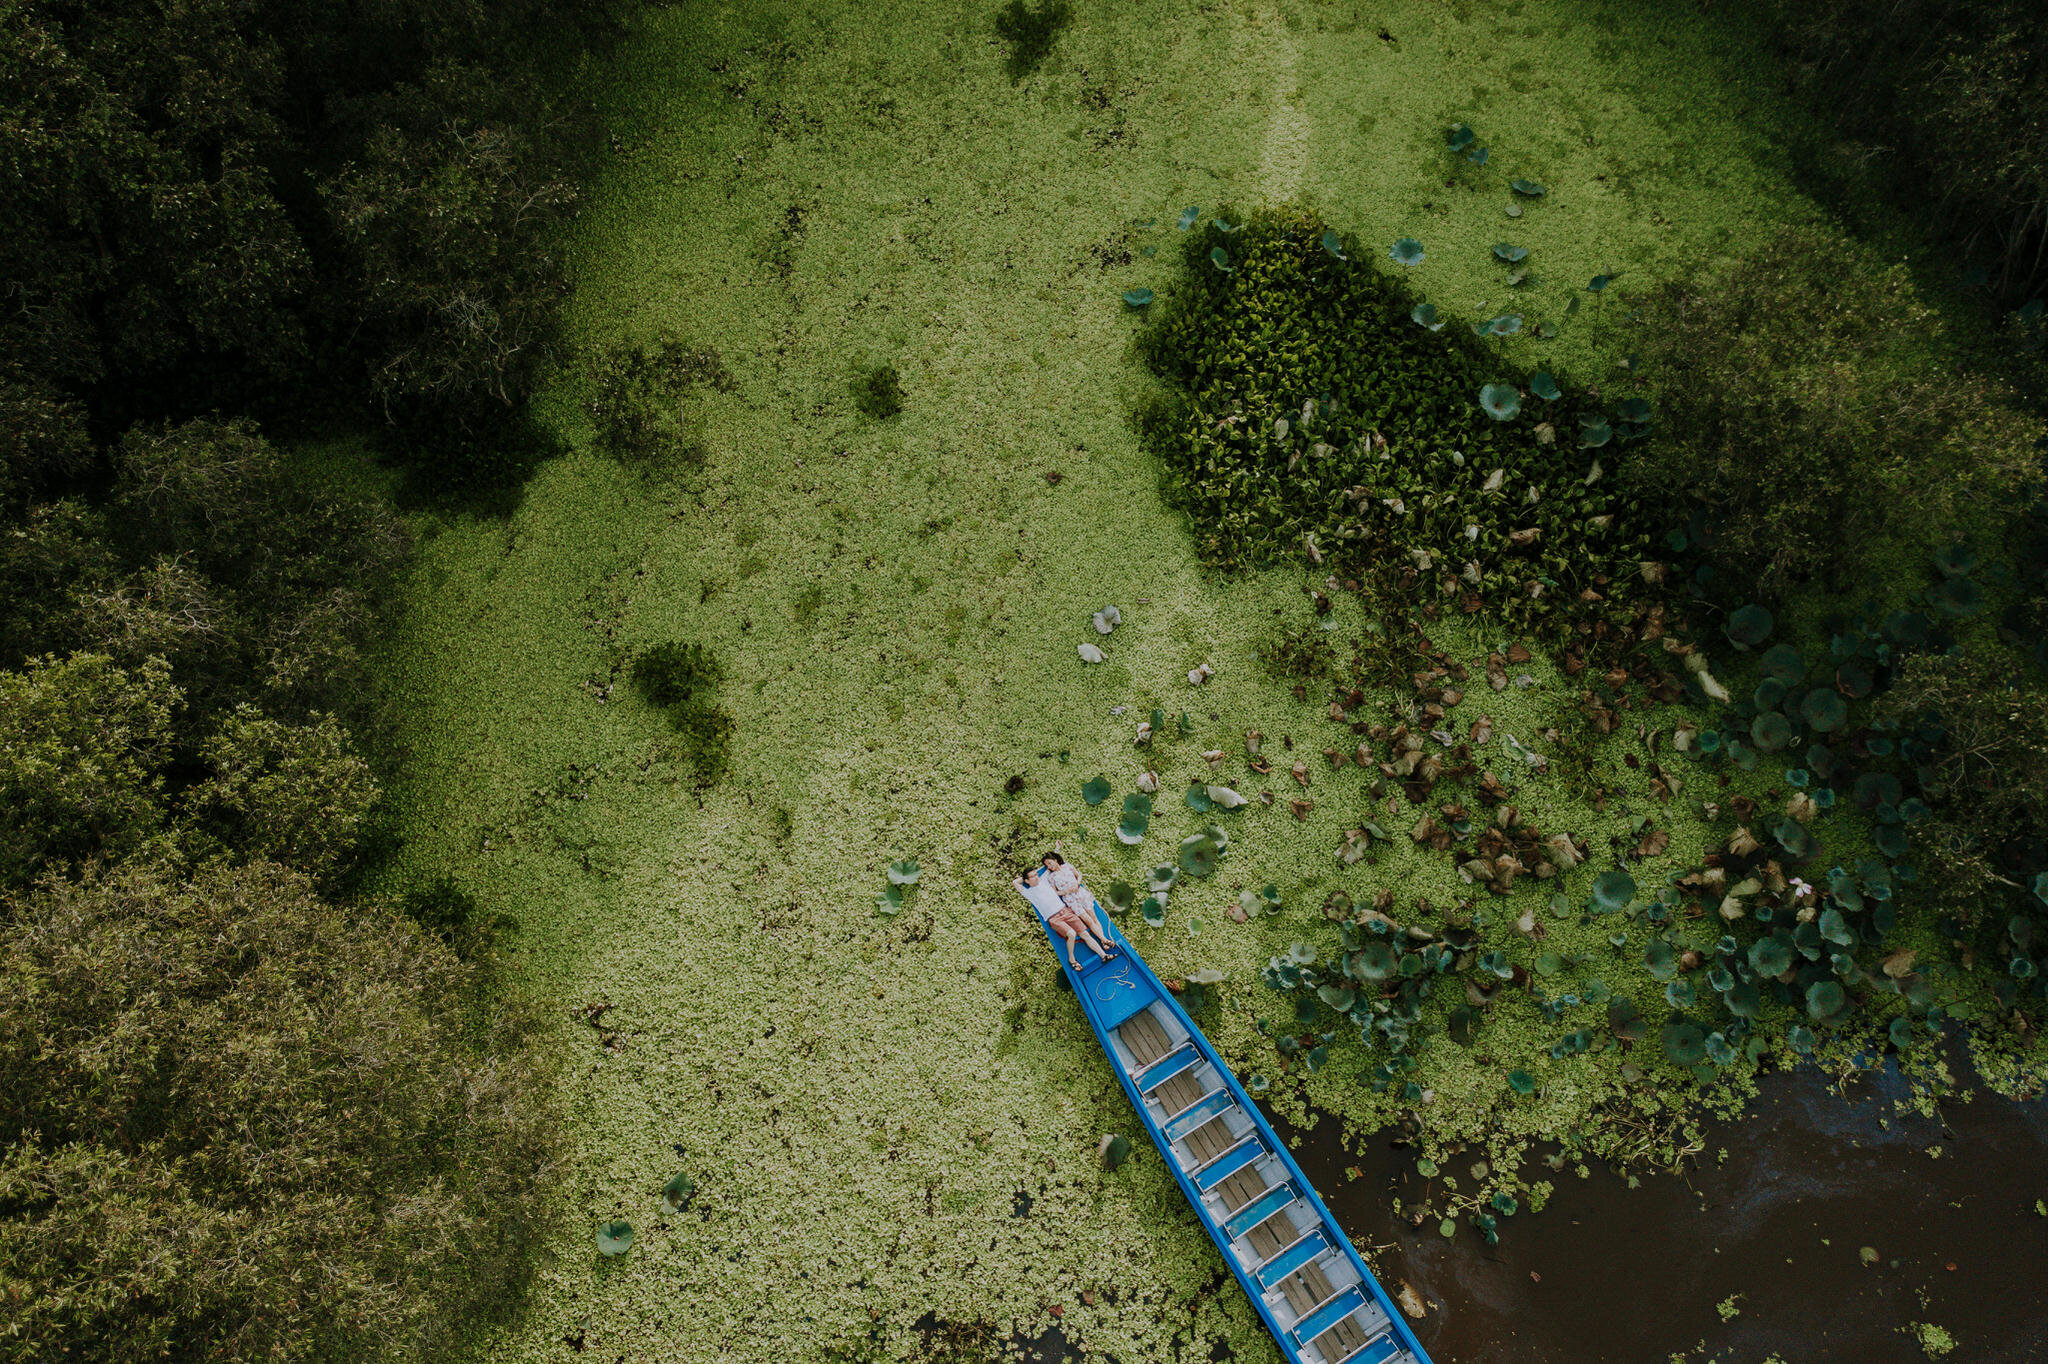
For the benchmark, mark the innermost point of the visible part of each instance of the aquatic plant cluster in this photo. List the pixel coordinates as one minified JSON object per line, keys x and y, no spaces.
{"x":1309,"y":414}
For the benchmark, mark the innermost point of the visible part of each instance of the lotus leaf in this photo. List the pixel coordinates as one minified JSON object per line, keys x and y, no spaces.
{"x":1956,"y":561}
{"x":2022,"y":968}
{"x":1659,"y":959}
{"x":675,"y":1194}
{"x":1599,"y":282}
{"x":1679,"y":994}
{"x":1771,"y":730}
{"x":1459,"y":137}
{"x":1153,"y":909}
{"x":904,"y":873}
{"x":1528,"y":187}
{"x":1545,"y":387}
{"x":1890,"y":840}
{"x":1477,"y":156}
{"x":1501,"y":401}
{"x":1684,"y":1043}
{"x":1374,"y":961}
{"x":615,"y":1237}
{"x":1096,"y":790}
{"x":1749,"y":626}
{"x":1198,"y":855}
{"x":1770,"y":956}
{"x":1792,"y":837}
{"x":1878,"y":788}
{"x":1507,"y":324}
{"x":1613,"y":891}
{"x":1162,"y":878}
{"x":1197,"y":798}
{"x":1333,"y":245}
{"x":1121,"y":896}
{"x":889,"y":903}
{"x":1510,"y":254}
{"x":1635,"y":410}
{"x":1824,"y":710}
{"x":1338,"y":997}
{"x":1624,"y":1021}
{"x":1956,"y":598}
{"x":1137,"y":298}
{"x":1408,"y":251}
{"x":1802,"y":1039}
{"x":1221,"y":259}
{"x":1901,"y":1033}
{"x":1592,"y":437}
{"x":1826,"y":1001}
{"x":1782,"y":663}
{"x":1522,"y":1082}
{"x":1743,"y":999}
{"x":1131,"y":828}
{"x":1188,"y":217}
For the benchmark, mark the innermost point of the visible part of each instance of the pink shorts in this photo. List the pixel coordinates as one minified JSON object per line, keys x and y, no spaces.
{"x":1067,"y":921}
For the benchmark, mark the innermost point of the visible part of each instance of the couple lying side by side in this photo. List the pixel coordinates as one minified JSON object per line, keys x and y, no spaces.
{"x":1054,"y":889}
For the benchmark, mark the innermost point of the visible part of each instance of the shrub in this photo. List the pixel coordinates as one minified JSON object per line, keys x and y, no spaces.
{"x":1811,"y":403}
{"x":1310,"y":417}
{"x":637,"y":395}
{"x":241,"y":1123}
{"x":880,"y":393}
{"x":1031,"y":33}
{"x":291,"y":794}
{"x":1955,"y":94}
{"x":81,"y":745}
{"x":682,"y":679}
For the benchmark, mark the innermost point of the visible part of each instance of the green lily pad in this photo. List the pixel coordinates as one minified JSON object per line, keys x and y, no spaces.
{"x":1528,"y":187}
{"x":1332,"y":245}
{"x":675,"y":1195}
{"x":1522,"y":1082}
{"x":1153,"y":912}
{"x":1459,"y":137}
{"x":1338,"y":997}
{"x":1373,"y":962}
{"x":1137,"y":298}
{"x":1132,"y":827}
{"x":1613,"y":891}
{"x":1771,"y":731}
{"x":1770,"y":956}
{"x":1684,"y":1043}
{"x":1096,"y":790}
{"x":904,"y":873}
{"x":1956,"y":561}
{"x":1956,"y":598}
{"x":1826,"y":1001}
{"x":1545,"y":387}
{"x":1116,"y":1151}
{"x":1782,"y":663}
{"x":1424,"y":315}
{"x":1749,"y":626}
{"x":1825,"y":710}
{"x":1121,"y":896}
{"x":1408,"y":251}
{"x":1188,"y":217}
{"x":1221,"y":259}
{"x":1509,"y":253}
{"x":1198,"y":855}
{"x":1501,"y":401}
{"x":614,"y":1237}
{"x":889,"y":903}
{"x":1595,"y":435}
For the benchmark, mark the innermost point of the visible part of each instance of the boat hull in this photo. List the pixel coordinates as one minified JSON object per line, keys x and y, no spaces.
{"x":1308,"y":1284}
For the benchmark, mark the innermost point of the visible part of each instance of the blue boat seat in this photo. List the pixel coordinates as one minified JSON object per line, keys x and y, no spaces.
{"x":1290,"y":1258}
{"x":1327,"y":1316}
{"x":1228,"y":1164}
{"x":1197,"y":1113}
{"x":1378,"y":1350}
{"x":1259,"y":1209}
{"x":1175,"y":1062}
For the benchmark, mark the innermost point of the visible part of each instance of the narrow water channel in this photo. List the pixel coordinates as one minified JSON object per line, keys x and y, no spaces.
{"x":1739,"y":1260}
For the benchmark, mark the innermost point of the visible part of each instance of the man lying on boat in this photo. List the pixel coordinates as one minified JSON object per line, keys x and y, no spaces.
{"x":1072,"y":914}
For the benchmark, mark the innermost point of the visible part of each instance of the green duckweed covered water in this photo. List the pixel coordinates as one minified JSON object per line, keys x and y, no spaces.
{"x":888,"y":1118}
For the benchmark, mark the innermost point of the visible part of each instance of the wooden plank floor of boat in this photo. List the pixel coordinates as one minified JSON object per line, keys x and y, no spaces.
{"x":1306,"y":1287}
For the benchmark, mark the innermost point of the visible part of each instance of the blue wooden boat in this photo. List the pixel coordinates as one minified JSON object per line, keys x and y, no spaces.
{"x":1293,"y":1261}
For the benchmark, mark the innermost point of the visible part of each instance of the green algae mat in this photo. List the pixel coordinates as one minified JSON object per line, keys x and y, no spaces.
{"x":889,"y":1118}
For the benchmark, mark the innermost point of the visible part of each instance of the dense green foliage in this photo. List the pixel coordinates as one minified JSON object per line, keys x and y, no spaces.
{"x":683,"y":680}
{"x":1309,"y":413}
{"x":240,"y":1122}
{"x":1031,"y":32}
{"x":1805,"y":407}
{"x":879,"y":394}
{"x":637,"y":398}
{"x":1953,"y":95}
{"x":236,"y":205}
{"x":244,"y":1113}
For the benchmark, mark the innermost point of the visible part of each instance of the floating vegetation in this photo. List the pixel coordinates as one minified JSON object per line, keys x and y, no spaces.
{"x":1031,"y":32}
{"x":879,"y":393}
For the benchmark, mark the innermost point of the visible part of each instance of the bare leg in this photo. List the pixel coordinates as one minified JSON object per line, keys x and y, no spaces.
{"x":1101,"y":948}
{"x":1068,"y":934}
{"x":1099,"y":940}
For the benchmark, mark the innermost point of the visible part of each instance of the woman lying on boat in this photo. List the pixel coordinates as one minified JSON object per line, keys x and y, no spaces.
{"x":1070,"y":923}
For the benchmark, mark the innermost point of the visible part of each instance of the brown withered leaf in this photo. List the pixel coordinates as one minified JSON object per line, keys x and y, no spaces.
{"x":1653,"y":843}
{"x":1300,"y":771}
{"x":1899,"y":964}
{"x":1301,"y":808}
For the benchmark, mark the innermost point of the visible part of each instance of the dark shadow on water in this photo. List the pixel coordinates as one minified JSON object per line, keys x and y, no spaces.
{"x":1772,"y":1235}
